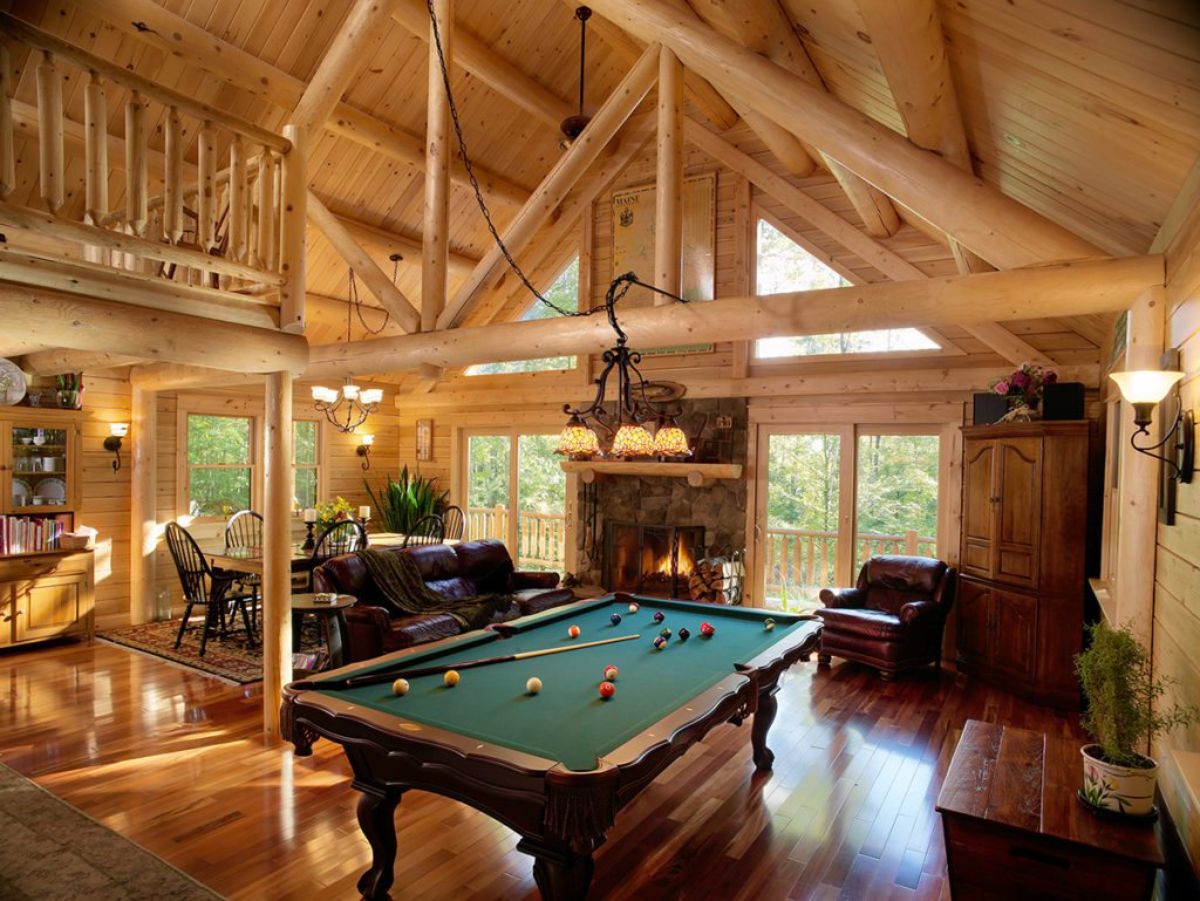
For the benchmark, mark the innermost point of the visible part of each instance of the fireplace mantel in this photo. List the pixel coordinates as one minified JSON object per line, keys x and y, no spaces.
{"x":698,"y":475}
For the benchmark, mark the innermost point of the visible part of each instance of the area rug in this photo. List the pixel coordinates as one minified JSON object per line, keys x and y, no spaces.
{"x":53,"y":852}
{"x":230,"y":659}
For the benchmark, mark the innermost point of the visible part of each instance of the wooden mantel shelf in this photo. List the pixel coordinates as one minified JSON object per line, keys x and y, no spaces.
{"x":698,"y":475}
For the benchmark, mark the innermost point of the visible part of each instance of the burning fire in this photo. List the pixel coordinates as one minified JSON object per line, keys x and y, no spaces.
{"x":686,"y":563}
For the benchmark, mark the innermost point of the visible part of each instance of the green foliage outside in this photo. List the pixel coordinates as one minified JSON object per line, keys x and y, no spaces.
{"x":488,"y":470}
{"x":804,"y":475}
{"x":305,"y":434}
{"x":541,"y":483}
{"x":400,"y":503}
{"x":1124,"y":697}
{"x":218,"y":454}
{"x":897,"y":485}
{"x":564,"y":293}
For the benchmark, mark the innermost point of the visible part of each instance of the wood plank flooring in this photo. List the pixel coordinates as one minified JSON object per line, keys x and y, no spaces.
{"x":175,"y":761}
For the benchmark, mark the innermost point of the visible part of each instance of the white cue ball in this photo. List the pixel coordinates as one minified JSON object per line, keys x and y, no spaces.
{"x":400,"y":687}
{"x":534,"y":685}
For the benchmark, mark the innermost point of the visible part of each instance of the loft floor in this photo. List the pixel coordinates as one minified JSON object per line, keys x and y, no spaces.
{"x":175,"y":761}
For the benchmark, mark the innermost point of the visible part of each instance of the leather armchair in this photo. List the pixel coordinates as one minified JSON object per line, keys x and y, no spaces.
{"x":893,"y":618}
{"x":463,"y":570}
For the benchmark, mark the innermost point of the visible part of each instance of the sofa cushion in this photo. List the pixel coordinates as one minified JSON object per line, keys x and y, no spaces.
{"x":406,"y":631}
{"x":486,"y":563}
{"x":435,"y":562}
{"x":867,"y":623}
{"x":535,"y":600}
{"x":454,"y":588}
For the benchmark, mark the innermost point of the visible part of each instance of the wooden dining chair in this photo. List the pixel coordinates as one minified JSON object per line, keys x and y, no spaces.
{"x":429,"y":529}
{"x":343,"y":537}
{"x":202,"y":586}
{"x":245,"y":530}
{"x":454,"y":523}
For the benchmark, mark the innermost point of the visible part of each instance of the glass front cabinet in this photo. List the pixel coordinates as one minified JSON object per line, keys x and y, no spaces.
{"x":39,"y":463}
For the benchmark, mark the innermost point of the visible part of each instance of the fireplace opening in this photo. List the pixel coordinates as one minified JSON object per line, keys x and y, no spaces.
{"x":652,"y":560}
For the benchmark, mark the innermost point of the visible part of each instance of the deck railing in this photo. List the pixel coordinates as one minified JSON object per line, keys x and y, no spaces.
{"x":541,"y":537}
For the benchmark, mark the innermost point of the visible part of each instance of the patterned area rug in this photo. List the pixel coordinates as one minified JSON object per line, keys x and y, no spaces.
{"x":230,"y":659}
{"x":53,"y":852}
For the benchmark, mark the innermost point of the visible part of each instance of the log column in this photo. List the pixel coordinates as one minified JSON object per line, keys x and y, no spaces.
{"x":435,"y":248}
{"x":277,"y":540}
{"x":50,"y":138}
{"x":668,"y":194}
{"x":137,"y":209}
{"x":143,"y":519}
{"x":1137,"y":537}
{"x":292,"y":230}
{"x":95,"y":152}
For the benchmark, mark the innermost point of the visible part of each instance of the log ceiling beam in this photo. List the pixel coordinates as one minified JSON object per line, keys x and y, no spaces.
{"x":56,"y":361}
{"x":1064,"y":289}
{"x":981,"y":217}
{"x":571,"y":166}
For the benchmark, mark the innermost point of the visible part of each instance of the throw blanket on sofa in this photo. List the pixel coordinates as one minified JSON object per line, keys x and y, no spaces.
{"x":402,"y":588}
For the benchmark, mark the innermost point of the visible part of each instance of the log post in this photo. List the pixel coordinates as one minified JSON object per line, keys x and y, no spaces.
{"x":95,"y":148}
{"x":264,"y":233}
{"x":237,"y":199}
{"x":668,"y":194}
{"x":276,"y":210}
{"x":136,"y":193}
{"x":435,"y":247}
{"x":292,"y":230}
{"x":8,"y":163}
{"x":143,"y":518}
{"x":206,"y":193}
{"x":50,"y":125}
{"x":277,"y":541}
{"x":173,"y":179}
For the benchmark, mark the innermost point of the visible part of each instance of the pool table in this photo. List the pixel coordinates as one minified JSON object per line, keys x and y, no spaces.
{"x":556,"y":766}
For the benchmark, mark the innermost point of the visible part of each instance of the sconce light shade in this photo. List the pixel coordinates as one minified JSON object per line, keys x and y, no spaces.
{"x":1144,"y":389}
{"x":632,"y":441}
{"x":364,"y":450}
{"x":1145,"y":386}
{"x":368,"y":440}
{"x":118,"y":429}
{"x":116,"y":432}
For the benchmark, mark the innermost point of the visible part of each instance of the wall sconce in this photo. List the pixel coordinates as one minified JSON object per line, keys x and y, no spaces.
{"x":1145,"y":389}
{"x":364,"y":450}
{"x":112,"y":444}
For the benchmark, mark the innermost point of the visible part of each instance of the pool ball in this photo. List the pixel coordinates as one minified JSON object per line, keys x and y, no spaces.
{"x":400,"y":688}
{"x":607,"y":690}
{"x":634,"y":608}
{"x":665,"y":633}
{"x":616,"y":619}
{"x":684,"y":634}
{"x":659,"y":616}
{"x":769,"y":624}
{"x":534,"y":685}
{"x":573,"y":631}
{"x":450,"y":678}
{"x":611,"y":672}
{"x":707,"y":630}
{"x":659,"y":642}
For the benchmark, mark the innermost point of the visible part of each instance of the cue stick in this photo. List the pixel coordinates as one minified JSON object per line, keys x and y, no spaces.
{"x":392,"y":675}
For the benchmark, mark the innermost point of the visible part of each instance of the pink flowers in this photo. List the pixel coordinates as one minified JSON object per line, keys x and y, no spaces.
{"x":1026,"y":384}
{"x":1001,"y":387}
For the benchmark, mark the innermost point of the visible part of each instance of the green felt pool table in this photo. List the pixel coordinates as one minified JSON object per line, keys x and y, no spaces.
{"x":558,"y":765}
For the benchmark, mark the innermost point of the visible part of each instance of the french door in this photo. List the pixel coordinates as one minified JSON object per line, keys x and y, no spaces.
{"x":827,"y":498}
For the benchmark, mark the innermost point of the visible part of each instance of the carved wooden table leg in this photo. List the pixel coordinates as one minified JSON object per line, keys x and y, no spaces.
{"x":377,"y":819}
{"x":561,"y":875}
{"x":764,"y":758}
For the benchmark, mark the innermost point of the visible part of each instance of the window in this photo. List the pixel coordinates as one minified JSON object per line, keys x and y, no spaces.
{"x":306,"y":458}
{"x":782,"y":265}
{"x":220,"y":471}
{"x":563,"y":293}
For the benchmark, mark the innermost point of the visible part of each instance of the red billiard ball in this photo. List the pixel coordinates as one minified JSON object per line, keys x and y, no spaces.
{"x":607,"y":690}
{"x":573,"y":631}
{"x":707,"y":630}
{"x":611,"y":673}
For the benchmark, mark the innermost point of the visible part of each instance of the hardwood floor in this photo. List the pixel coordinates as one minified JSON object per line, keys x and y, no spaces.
{"x":175,"y":761}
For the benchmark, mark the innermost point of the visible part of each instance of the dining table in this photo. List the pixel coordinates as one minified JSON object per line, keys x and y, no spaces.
{"x":249,"y":559}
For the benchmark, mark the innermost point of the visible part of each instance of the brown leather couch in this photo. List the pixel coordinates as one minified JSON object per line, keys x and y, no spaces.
{"x":463,"y":570}
{"x":893,"y":618}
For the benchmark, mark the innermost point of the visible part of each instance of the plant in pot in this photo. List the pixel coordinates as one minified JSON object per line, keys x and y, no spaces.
{"x":1125,"y":712}
{"x":402,"y":502}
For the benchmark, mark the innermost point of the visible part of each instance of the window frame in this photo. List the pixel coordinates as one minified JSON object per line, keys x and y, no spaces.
{"x":185,"y":466}
{"x":318,"y":465}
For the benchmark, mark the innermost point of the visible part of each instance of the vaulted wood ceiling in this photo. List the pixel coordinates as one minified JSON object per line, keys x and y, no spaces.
{"x":1087,"y":111}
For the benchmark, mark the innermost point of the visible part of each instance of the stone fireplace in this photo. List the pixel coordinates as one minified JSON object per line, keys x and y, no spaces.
{"x":653,"y":560}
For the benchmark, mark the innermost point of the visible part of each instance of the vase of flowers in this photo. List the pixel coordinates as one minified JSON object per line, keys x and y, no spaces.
{"x":1024,"y":389}
{"x":336,"y":510}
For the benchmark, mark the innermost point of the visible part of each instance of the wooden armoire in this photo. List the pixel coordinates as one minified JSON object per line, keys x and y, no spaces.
{"x":1020,"y":606}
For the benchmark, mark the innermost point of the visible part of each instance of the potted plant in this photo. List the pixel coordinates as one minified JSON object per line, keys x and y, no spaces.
{"x":401,"y":502}
{"x":1124,"y":714}
{"x":336,"y":510}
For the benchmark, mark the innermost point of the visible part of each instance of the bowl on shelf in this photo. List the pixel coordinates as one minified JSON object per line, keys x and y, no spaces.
{"x":83,"y":540}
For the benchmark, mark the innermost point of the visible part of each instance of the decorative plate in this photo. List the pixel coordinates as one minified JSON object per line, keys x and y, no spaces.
{"x":53,"y":490}
{"x":12,"y":383}
{"x":21,"y":493}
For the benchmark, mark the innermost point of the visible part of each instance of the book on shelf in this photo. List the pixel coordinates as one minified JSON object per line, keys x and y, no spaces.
{"x":27,"y":534}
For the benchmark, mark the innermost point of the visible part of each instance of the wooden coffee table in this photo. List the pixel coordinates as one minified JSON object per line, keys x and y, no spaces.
{"x":333,"y":623}
{"x":1014,"y":827}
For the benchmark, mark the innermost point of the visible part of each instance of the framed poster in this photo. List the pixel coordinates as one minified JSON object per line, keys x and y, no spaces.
{"x":424,"y":440}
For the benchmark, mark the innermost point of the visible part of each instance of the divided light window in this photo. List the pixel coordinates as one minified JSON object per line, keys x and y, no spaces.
{"x":219,"y":460}
{"x":782,"y":265}
{"x":564,"y":293}
{"x":306,"y":459}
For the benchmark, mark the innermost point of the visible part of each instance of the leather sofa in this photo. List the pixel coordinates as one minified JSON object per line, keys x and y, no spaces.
{"x":893,"y":618}
{"x":455,"y":571}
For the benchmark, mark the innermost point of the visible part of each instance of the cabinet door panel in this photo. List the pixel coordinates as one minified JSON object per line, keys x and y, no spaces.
{"x":1019,"y":487}
{"x":47,"y":607}
{"x":978,"y":516}
{"x":972,"y":609}
{"x":1014,"y":632}
{"x":7,"y":620}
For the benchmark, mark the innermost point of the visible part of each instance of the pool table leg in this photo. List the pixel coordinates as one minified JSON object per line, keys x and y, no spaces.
{"x":560,"y":874}
{"x":764,"y":757}
{"x":377,"y":819}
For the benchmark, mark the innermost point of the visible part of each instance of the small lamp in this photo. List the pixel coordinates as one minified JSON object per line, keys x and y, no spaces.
{"x":1144,"y":389}
{"x":670,"y":440}
{"x":577,"y":441}
{"x":116,"y":432}
{"x":632,"y":441}
{"x":364,"y":450}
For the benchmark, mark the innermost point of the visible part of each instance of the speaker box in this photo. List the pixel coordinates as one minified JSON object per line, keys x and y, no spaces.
{"x":989,"y":408}
{"x":1063,"y":400}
